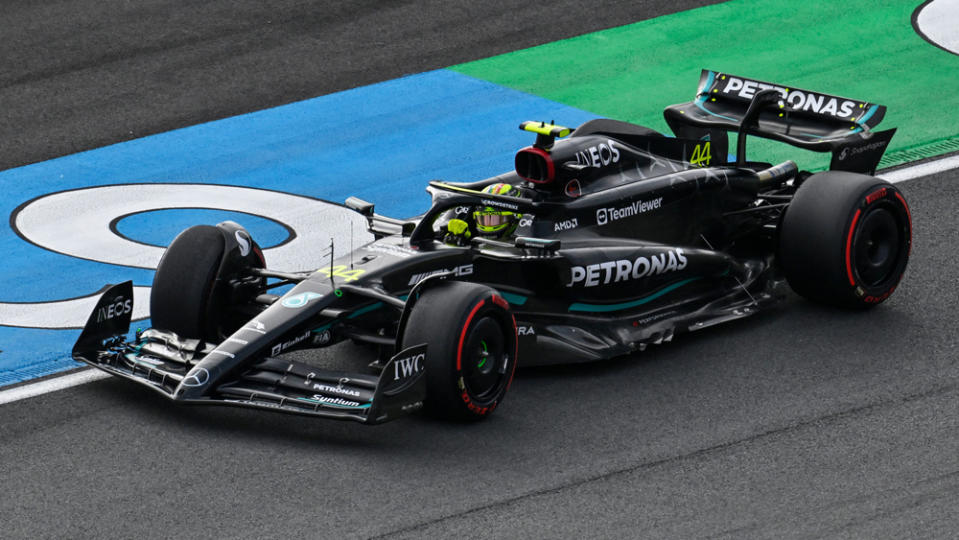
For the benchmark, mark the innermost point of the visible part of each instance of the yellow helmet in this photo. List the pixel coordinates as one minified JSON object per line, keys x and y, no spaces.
{"x":496,"y":221}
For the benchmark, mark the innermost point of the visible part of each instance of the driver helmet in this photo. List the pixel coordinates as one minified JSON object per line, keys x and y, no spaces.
{"x":496,"y":221}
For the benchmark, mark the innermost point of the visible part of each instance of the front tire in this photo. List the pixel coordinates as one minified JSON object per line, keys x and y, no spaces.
{"x":845,"y":239}
{"x":471,"y":355}
{"x":191,"y":293}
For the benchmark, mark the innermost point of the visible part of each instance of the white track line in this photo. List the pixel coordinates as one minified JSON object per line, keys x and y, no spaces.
{"x":89,"y":375}
{"x":74,"y":378}
{"x":923,"y":169}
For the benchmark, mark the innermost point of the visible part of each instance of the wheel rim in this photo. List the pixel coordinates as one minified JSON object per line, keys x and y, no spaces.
{"x":878,"y":246}
{"x":485,"y":360}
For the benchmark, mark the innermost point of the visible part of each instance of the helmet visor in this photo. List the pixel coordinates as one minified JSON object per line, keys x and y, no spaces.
{"x":490,"y":220}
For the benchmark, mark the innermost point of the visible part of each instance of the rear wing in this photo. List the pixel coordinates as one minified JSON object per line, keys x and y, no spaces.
{"x":810,"y":120}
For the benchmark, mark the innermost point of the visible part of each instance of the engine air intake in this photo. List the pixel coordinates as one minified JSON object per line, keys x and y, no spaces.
{"x":535,"y":165}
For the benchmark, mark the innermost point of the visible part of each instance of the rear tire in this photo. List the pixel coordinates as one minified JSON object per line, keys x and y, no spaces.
{"x":845,"y":239}
{"x":472,"y":349}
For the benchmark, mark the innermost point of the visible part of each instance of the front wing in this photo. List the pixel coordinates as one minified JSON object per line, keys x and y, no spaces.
{"x":167,"y":365}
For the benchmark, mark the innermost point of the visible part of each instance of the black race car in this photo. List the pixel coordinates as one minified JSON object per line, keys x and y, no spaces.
{"x":620,"y":237}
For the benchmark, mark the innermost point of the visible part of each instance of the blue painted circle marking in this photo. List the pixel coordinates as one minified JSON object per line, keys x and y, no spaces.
{"x":159,"y":227}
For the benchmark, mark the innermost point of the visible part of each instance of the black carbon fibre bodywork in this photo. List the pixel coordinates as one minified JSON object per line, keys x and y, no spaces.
{"x":626,"y":238}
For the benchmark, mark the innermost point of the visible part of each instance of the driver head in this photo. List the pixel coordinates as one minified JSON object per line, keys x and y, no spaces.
{"x":496,"y":222}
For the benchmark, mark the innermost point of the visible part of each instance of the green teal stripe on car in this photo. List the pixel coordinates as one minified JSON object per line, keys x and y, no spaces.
{"x":602,"y":308}
{"x":335,"y":405}
{"x":365,"y":310}
{"x":362,"y":311}
{"x":514,"y":299}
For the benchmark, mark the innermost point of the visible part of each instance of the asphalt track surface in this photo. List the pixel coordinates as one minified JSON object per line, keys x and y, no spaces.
{"x":84,"y":74}
{"x":801,"y":422}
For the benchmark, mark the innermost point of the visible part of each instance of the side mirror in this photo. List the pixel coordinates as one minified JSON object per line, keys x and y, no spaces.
{"x":359,"y":205}
{"x":550,"y":244}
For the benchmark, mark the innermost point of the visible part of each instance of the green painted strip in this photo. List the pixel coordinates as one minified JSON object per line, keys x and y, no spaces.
{"x":860,"y":49}
{"x":920,"y":151}
{"x":603,"y":308}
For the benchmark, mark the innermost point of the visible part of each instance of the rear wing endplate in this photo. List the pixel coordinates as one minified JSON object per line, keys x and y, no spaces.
{"x":805,"y":119}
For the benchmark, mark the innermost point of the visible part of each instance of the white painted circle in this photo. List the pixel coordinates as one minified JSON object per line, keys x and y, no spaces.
{"x":77,"y":223}
{"x":938,"y":21}
{"x":67,"y":313}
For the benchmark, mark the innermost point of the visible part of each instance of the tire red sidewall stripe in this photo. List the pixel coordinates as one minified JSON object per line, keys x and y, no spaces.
{"x":852,"y":231}
{"x":909,"y":215}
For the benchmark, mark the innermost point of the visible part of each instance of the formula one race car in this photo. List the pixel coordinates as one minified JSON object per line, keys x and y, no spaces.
{"x":604,"y":239}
